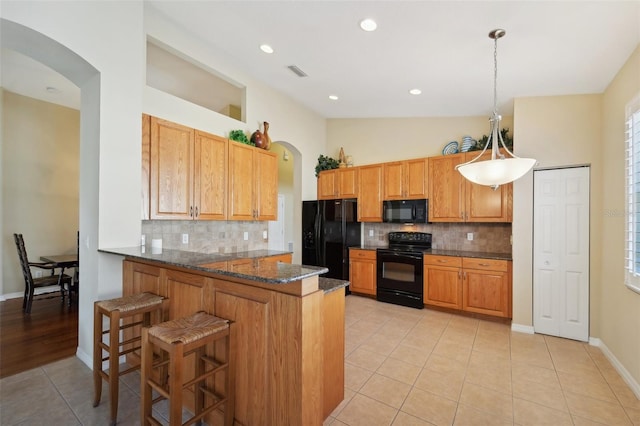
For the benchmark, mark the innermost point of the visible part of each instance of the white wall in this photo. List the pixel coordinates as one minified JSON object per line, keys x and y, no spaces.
{"x":111,"y":37}
{"x":40,"y":198}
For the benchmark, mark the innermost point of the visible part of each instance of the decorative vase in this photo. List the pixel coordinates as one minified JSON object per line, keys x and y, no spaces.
{"x":267,"y":139}
{"x":257,"y":138}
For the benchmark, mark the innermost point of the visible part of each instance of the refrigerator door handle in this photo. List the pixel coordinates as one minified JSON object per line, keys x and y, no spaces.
{"x":318,"y":238}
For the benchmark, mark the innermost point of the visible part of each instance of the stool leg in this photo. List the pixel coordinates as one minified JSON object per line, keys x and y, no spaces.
{"x":97,"y":355}
{"x":197,"y":393}
{"x":145,"y":374}
{"x":114,"y":363}
{"x":229,"y":406}
{"x":175,"y":383}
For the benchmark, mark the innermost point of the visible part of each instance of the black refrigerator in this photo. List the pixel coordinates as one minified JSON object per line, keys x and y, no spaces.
{"x":329,"y":228}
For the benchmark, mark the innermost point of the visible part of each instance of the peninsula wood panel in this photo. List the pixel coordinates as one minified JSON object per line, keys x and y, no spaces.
{"x":370,"y":193}
{"x":280,"y":341}
{"x":210,"y":182}
{"x":251,"y":314}
{"x":333,"y":326}
{"x":171,"y":170}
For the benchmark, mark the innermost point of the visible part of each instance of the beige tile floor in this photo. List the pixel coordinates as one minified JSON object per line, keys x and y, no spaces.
{"x":403,"y":367}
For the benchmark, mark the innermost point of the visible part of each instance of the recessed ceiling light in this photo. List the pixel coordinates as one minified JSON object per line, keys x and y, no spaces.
{"x":266,"y":48}
{"x":415,"y":91}
{"x":333,"y":97}
{"x":52,"y":89}
{"x":368,"y":24}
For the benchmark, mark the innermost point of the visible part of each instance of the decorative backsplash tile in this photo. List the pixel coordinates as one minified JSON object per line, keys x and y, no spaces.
{"x":487,"y":237}
{"x":207,"y":236}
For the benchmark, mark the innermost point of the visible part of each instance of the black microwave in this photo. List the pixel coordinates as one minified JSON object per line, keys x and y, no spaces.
{"x":405,"y":211}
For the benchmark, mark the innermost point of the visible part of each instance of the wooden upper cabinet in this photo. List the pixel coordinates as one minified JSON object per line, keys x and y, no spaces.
{"x":338,"y":183}
{"x":327,"y":187}
{"x":406,"y":179}
{"x":485,"y":204}
{"x":253,"y":183}
{"x":455,"y":199}
{"x":187,"y":172}
{"x":348,"y":182}
{"x":446,"y":189}
{"x":266,"y":188}
{"x":210,"y":183}
{"x":146,"y":164}
{"x":171,"y":170}
{"x":370,"y":193}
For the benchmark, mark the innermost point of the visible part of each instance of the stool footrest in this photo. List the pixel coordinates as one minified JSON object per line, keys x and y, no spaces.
{"x":158,"y":388}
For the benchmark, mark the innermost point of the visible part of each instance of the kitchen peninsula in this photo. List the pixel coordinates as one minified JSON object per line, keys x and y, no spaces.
{"x":289,"y":323}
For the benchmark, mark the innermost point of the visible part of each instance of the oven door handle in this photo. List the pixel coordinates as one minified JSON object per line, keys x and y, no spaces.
{"x":416,"y":256}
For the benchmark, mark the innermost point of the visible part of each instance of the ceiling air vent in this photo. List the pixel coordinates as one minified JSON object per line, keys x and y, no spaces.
{"x":297,"y":71}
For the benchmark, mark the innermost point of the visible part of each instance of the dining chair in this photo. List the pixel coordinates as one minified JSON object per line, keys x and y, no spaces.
{"x":31,"y":283}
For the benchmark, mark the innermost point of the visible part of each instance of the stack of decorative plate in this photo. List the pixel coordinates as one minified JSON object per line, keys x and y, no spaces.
{"x":450,"y":148}
{"x":467,"y":143}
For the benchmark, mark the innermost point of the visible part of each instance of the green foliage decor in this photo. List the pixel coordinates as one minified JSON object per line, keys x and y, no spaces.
{"x":508,"y":141}
{"x":325,"y":163}
{"x":240,"y":136}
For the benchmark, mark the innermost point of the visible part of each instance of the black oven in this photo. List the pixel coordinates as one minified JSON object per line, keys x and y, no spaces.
{"x":400,"y":269}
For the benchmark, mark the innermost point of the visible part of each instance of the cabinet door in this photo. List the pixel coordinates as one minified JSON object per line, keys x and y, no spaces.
{"x":362,"y":274}
{"x":348,"y":182}
{"x":146,"y":164}
{"x":327,"y":189}
{"x":171,"y":170}
{"x":417,"y":178}
{"x":484,"y":204}
{"x":266,"y":181}
{"x":443,"y":286}
{"x":241,"y":181}
{"x":393,"y":180}
{"x":210,"y":183}
{"x":446,"y":189}
{"x":370,"y":194}
{"x":486,"y":292}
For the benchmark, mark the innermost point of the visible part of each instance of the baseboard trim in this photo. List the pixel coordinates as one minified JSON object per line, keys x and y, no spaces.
{"x":37,"y":291}
{"x":624,"y":373}
{"x":84,"y":357}
{"x":522,"y":328}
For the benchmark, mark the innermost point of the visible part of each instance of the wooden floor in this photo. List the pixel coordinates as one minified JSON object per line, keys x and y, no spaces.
{"x":48,"y":334}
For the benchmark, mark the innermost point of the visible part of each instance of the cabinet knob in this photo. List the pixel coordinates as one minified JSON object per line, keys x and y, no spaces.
{"x":191,"y":211}
{"x":196,"y":211}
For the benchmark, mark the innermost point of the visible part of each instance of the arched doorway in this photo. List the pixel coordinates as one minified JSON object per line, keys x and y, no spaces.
{"x":77,"y":70}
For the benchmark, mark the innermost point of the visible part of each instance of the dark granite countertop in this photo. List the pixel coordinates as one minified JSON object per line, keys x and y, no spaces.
{"x":456,"y":253}
{"x":330,"y":284}
{"x":269,"y":272}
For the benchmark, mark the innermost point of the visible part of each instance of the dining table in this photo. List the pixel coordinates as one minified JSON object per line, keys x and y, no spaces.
{"x":64,"y":261}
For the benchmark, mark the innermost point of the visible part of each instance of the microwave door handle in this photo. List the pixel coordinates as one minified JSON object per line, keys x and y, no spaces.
{"x":413,"y":212}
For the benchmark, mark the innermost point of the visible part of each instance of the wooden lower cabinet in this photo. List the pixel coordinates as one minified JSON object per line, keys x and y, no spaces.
{"x":469,"y":284}
{"x":280,"y":337}
{"x":362,"y":271}
{"x":443,"y":281}
{"x":486,"y":286}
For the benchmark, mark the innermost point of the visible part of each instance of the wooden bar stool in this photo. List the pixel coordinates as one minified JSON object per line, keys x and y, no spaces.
{"x":179,"y":338}
{"x":116,"y":310}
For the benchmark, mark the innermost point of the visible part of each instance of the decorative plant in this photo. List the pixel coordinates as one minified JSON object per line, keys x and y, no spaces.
{"x":240,"y":136}
{"x":508,"y":141}
{"x":326,"y":163}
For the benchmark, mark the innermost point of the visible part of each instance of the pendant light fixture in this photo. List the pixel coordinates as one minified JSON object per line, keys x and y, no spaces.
{"x":500,"y":169}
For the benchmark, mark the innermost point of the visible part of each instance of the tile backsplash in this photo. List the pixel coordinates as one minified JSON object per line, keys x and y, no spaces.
{"x":207,"y":236}
{"x":487,"y":237}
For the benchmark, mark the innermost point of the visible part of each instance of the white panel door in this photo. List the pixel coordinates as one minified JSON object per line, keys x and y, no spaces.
{"x":561,"y":252}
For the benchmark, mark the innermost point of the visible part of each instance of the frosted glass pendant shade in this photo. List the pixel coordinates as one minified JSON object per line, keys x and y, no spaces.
{"x":496,"y":172}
